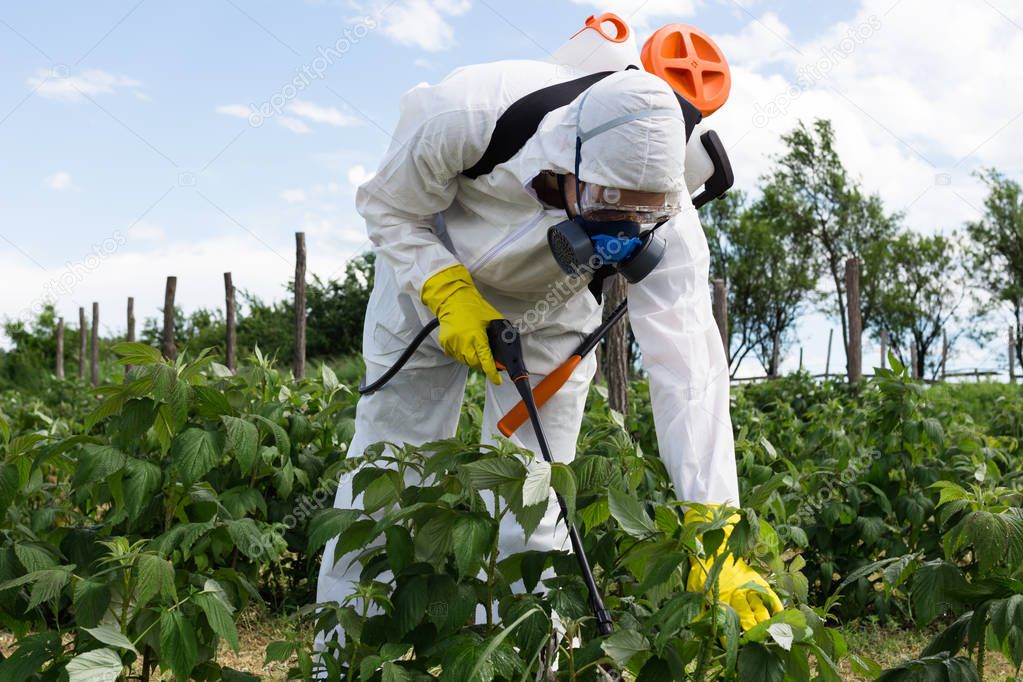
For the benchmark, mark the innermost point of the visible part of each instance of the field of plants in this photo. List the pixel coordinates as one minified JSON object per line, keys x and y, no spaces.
{"x":140,"y":520}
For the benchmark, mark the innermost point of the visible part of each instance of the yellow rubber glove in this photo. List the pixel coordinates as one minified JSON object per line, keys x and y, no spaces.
{"x":734,"y":574}
{"x":463,"y":315}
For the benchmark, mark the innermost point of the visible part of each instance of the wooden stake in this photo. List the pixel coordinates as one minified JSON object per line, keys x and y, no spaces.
{"x":944,"y":353}
{"x":884,"y":349}
{"x":800,"y":358}
{"x":721,"y":314}
{"x":83,"y":335}
{"x":298,"y":364}
{"x":616,"y":345}
{"x":169,"y":349}
{"x":1012,"y":355}
{"x":94,"y":345}
{"x":60,"y":348}
{"x":774,"y":356}
{"x":854,"y":353}
{"x":131,"y":319}
{"x":827,"y":363}
{"x":231,"y":340}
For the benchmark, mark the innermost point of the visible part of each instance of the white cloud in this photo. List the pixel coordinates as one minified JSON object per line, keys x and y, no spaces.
{"x":60,"y":84}
{"x":419,"y":23}
{"x":912,"y":118}
{"x":146,"y":232}
{"x":639,"y":14}
{"x":294,"y":196}
{"x":320,"y":114}
{"x":235,"y":110}
{"x":358,"y":175}
{"x":292,"y":124}
{"x":60,"y":181}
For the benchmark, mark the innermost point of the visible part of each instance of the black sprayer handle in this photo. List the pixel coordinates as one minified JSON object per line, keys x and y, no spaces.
{"x":506,"y":346}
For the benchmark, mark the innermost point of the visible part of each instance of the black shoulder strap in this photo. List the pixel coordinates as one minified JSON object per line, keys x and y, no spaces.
{"x":521,"y":120}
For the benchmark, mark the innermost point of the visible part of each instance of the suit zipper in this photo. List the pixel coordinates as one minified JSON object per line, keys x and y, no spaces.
{"x":504,"y":243}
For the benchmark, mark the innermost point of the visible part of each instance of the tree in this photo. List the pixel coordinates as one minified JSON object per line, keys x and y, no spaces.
{"x":918,"y":300}
{"x":996,"y":258}
{"x":769,"y":272}
{"x":827,"y":208}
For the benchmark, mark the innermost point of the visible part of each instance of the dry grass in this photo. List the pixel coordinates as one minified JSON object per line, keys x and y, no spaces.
{"x":885,"y":645}
{"x":889,"y":646}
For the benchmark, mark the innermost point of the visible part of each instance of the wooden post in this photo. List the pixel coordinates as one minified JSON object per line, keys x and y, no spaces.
{"x":1012,"y":355}
{"x":800,"y":358}
{"x":617,"y":350}
{"x":82,"y":336}
{"x":912,"y":362}
{"x":231,"y":340}
{"x":169,"y":349}
{"x":884,"y":349}
{"x":131,"y":319}
{"x":721,"y":314}
{"x":854,"y":353}
{"x":774,"y":356}
{"x":944,"y":353}
{"x":827,"y":363}
{"x":298,"y":364}
{"x":94,"y":345}
{"x":60,"y":348}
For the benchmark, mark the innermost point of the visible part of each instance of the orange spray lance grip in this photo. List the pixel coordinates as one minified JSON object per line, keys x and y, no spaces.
{"x":542,"y":392}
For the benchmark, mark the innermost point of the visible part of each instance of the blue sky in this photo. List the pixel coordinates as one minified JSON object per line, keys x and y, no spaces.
{"x":126,"y":153}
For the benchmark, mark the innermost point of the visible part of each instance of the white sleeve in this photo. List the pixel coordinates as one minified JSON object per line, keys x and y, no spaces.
{"x":436,"y":139}
{"x":671,"y":316}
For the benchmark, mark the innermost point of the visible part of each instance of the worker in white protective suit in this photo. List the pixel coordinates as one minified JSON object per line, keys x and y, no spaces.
{"x":471,"y":250}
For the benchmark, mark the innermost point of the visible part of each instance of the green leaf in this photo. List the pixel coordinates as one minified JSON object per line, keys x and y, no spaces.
{"x":218,"y":616}
{"x":399,"y":548}
{"x":194,"y":452}
{"x":111,"y":635}
{"x":623,"y":645}
{"x":141,"y":484}
{"x":179,"y":650}
{"x":410,"y":601}
{"x":536,"y":489}
{"x":155,"y":576}
{"x":933,"y":587}
{"x":392,"y":672}
{"x":490,"y":473}
{"x":91,"y":599}
{"x":629,"y":514}
{"x":242,"y":442}
{"x":48,"y":584}
{"x":98,"y":665}
{"x":258,"y":544}
{"x":10,"y":480}
{"x":135,"y":353}
{"x":328,"y":524}
{"x":473,"y":535}
{"x":758,"y":664}
{"x":661,"y":568}
{"x":563,"y":482}
{"x":32,"y":653}
{"x":97,"y":463}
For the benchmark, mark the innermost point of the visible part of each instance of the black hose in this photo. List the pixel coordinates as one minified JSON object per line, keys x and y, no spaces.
{"x":396,"y":367}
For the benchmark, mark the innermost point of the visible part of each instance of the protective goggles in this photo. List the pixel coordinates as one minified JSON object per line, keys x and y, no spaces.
{"x":597,"y":202}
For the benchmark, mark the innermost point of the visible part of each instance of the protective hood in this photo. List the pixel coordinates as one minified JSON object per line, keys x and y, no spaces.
{"x":645,"y":153}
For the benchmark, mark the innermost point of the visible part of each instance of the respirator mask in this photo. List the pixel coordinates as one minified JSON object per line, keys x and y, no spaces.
{"x":612,"y":226}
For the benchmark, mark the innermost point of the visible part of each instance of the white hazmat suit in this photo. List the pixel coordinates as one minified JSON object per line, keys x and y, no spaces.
{"x":423,"y":216}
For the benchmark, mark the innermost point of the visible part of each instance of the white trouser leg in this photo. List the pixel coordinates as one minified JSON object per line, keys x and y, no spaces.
{"x":561,"y":418}
{"x":416,"y":406}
